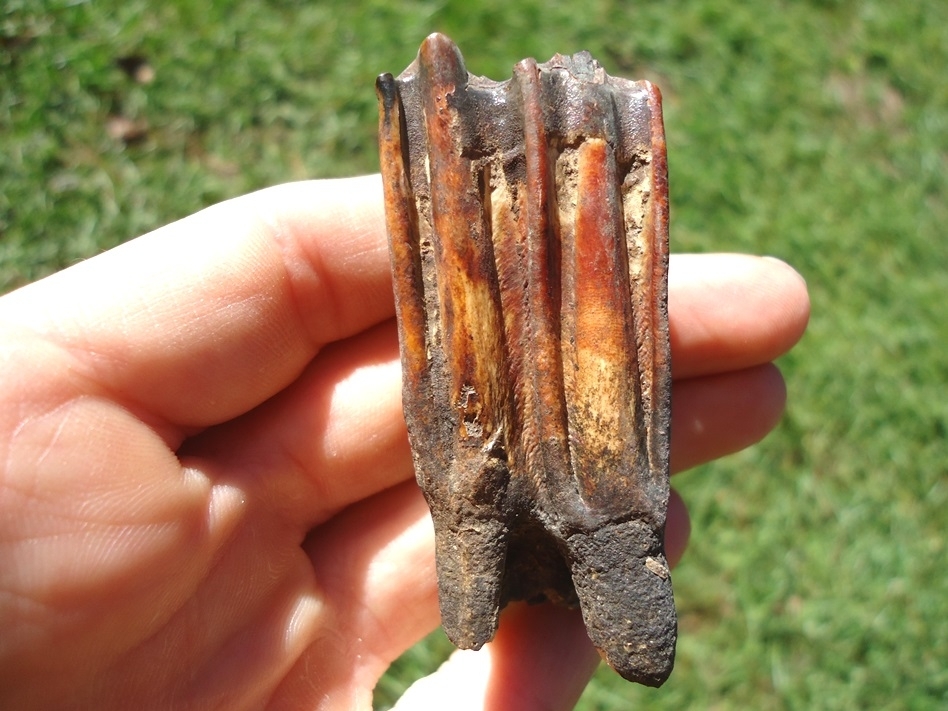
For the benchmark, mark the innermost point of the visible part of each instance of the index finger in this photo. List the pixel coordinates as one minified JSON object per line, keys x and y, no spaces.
{"x":205,"y":318}
{"x":728,"y":312}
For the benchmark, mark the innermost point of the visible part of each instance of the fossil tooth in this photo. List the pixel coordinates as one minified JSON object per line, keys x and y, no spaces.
{"x":528,"y":224}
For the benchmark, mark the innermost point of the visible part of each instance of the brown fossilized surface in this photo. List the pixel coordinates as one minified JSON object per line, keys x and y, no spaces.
{"x":528,"y":229}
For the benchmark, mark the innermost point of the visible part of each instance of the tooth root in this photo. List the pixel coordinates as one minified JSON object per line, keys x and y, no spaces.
{"x":625,"y":593}
{"x":470,"y":572}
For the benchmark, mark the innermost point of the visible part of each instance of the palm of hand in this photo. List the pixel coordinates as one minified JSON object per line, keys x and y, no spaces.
{"x":206,"y":496}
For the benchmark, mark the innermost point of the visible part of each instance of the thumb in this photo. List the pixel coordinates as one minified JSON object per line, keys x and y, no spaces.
{"x":541,"y":658}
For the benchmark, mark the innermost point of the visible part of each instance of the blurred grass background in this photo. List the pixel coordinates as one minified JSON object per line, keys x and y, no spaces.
{"x":813,"y":131}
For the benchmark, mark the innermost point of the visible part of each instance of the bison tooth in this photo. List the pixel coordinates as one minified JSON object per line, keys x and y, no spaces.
{"x":528,"y":225}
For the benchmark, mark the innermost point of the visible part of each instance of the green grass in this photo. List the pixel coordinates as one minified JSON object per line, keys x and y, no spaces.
{"x":814,"y":131}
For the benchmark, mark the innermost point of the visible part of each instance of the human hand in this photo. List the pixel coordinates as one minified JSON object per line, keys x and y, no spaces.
{"x":206,"y":495}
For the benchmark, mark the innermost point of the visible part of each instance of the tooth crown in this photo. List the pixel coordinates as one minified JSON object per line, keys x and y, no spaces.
{"x":528,"y":225}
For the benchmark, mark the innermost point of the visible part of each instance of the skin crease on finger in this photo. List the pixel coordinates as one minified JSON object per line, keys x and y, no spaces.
{"x":131,"y":353}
